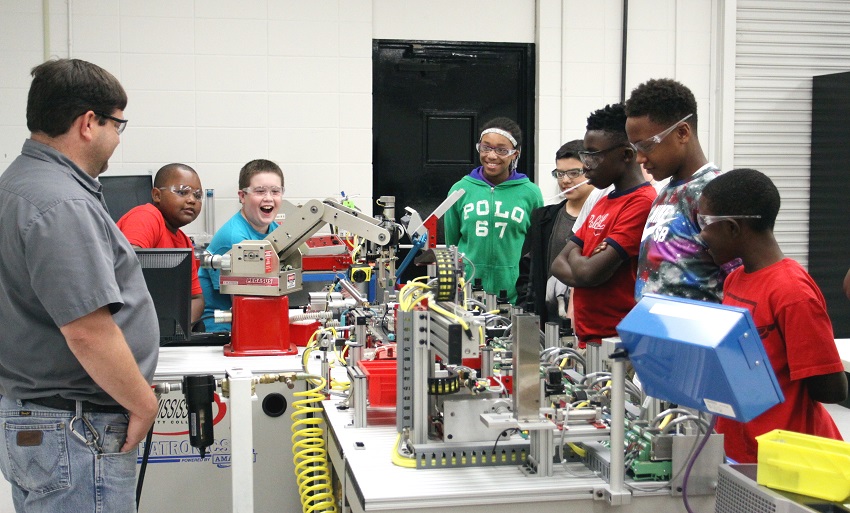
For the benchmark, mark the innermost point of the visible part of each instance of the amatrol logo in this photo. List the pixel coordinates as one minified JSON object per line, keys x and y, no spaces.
{"x":172,"y":419}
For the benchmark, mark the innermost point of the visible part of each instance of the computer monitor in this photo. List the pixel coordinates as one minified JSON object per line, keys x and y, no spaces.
{"x":125,"y":192}
{"x":168,"y":275}
{"x":700,"y":355}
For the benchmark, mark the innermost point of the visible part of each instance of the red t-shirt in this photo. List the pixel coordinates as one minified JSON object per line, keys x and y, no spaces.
{"x":144,"y":227}
{"x":790,"y":314}
{"x":617,"y":219}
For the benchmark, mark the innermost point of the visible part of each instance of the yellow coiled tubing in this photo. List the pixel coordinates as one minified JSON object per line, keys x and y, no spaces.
{"x":309,"y":454}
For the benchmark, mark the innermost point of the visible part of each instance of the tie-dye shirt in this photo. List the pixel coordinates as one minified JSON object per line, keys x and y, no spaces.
{"x":674,"y":260}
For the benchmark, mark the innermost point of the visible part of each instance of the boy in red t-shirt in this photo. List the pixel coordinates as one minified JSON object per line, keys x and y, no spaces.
{"x":600,"y":260}
{"x":177,"y":197}
{"x":737,"y":213}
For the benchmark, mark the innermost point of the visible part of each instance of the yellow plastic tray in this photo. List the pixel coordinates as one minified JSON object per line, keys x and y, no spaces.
{"x":805,"y":464}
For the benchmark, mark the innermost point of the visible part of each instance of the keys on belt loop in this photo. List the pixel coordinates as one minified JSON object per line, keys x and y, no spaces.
{"x":95,"y":438}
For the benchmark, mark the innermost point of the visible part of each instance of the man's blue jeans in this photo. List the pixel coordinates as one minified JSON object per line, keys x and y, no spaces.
{"x":51,"y":466}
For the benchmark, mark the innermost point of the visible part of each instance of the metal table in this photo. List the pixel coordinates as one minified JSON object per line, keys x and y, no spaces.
{"x":361,"y":460}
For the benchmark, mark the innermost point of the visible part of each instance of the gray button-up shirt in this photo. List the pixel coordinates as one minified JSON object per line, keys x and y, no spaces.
{"x":61,"y":258}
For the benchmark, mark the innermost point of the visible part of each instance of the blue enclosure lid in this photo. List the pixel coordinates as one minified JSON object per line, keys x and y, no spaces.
{"x":701,"y":355}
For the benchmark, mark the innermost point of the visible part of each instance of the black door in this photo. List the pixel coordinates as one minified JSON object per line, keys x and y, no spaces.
{"x":829,"y":231}
{"x":430,"y":99}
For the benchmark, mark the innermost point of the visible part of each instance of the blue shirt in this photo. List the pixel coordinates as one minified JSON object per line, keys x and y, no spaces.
{"x":235,"y":230}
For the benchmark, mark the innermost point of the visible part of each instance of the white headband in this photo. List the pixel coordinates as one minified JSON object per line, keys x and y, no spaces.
{"x":501,"y":132}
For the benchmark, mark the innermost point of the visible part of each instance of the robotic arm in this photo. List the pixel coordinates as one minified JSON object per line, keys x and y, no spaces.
{"x":272,"y":266}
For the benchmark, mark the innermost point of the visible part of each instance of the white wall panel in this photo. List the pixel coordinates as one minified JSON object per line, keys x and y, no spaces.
{"x":231,"y":73}
{"x":15,"y":71}
{"x":160,"y":35}
{"x":236,"y":145}
{"x":304,"y":74}
{"x":549,"y":77}
{"x":154,"y":8}
{"x":15,"y":30}
{"x":232,"y":110}
{"x":146,"y":109}
{"x":151,"y":71}
{"x":313,"y":145}
{"x":14,"y":104}
{"x":91,"y":7}
{"x":355,"y":75}
{"x":11,"y":141}
{"x":549,"y":112}
{"x":158,"y":145}
{"x":14,"y":7}
{"x":355,"y":110}
{"x":92,"y":34}
{"x":231,"y":36}
{"x":355,"y":145}
{"x":354,"y":10}
{"x":313,"y":180}
{"x":223,"y":177}
{"x":355,"y":39}
{"x":493,"y":20}
{"x":304,"y":38}
{"x":230,"y":10}
{"x":314,"y":10}
{"x":781,"y":44}
{"x":302,"y":110}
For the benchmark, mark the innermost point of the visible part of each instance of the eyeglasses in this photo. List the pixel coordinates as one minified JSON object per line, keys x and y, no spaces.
{"x":571,"y":173}
{"x":647,"y":145}
{"x":484,"y":149}
{"x":261,"y":192}
{"x":184,"y":190}
{"x":592,"y":159}
{"x":122,"y":123}
{"x":705,"y":220}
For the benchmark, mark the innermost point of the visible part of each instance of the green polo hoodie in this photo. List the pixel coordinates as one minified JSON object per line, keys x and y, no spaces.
{"x":488,"y":225}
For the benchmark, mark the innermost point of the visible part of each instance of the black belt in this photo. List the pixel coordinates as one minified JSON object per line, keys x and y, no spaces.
{"x":60,"y":403}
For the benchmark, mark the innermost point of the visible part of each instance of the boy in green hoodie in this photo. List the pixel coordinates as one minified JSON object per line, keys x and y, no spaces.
{"x":489,"y":222}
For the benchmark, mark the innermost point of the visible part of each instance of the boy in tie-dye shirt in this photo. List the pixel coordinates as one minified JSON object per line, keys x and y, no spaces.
{"x":673,"y":260}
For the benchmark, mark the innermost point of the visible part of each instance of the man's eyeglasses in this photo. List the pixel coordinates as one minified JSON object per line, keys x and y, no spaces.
{"x":122,"y":123}
{"x":184,"y":191}
{"x":647,"y":145}
{"x":592,"y":159}
{"x":570,"y":173}
{"x":261,"y":192}
{"x":484,"y":149}
{"x":705,"y":220}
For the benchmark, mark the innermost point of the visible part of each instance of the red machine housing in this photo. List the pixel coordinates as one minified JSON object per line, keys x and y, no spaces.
{"x":326,"y":253}
{"x":260,"y":327}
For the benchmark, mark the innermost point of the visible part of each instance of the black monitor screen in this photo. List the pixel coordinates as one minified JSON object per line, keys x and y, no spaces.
{"x":125,"y":192}
{"x":168,"y":274}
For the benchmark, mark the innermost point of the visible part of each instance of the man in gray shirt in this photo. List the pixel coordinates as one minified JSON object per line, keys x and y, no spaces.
{"x":79,"y":338}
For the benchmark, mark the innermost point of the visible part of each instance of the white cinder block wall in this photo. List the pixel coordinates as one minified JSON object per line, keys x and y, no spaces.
{"x":216,"y":83}
{"x":579,"y":51}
